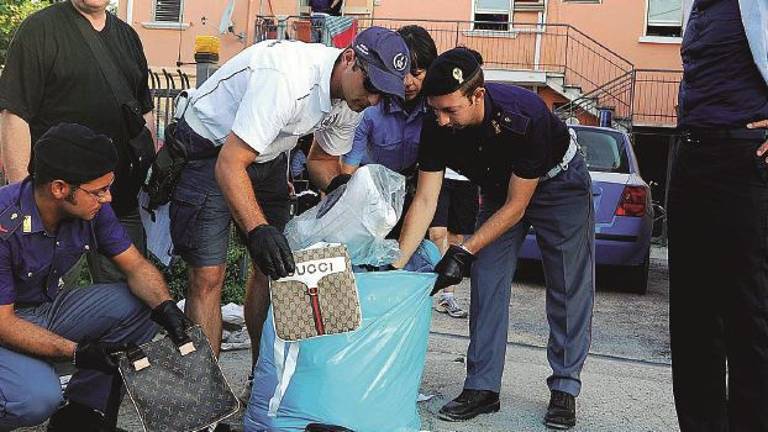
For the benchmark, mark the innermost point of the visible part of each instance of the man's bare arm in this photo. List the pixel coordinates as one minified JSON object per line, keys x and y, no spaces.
{"x":519,"y":194}
{"x":419,"y":215}
{"x":15,"y":146}
{"x":144,"y":280}
{"x":25,"y":337}
{"x":322,"y":166}
{"x":233,"y":160}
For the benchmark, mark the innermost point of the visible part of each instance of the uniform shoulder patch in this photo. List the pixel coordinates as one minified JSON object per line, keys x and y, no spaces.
{"x":513,"y":122}
{"x":10,"y":221}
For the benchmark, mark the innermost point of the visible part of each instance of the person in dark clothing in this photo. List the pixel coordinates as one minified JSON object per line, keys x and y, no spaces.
{"x":47,"y":221}
{"x":52,"y":76}
{"x":717,"y":214}
{"x":329,"y":7}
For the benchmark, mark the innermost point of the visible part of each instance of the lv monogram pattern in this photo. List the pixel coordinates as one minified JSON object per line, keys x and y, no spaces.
{"x":337,"y":295}
{"x":175,"y":393}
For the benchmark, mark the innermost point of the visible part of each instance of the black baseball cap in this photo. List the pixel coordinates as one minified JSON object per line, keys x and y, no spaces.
{"x":386,"y":57}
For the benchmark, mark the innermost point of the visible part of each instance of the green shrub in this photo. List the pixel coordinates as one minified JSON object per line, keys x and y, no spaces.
{"x":12,"y":13}
{"x":234,"y":280}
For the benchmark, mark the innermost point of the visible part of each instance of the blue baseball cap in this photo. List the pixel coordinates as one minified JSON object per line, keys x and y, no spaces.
{"x":387,"y":58}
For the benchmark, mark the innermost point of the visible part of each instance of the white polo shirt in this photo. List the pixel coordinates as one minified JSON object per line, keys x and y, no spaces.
{"x":271,"y":94}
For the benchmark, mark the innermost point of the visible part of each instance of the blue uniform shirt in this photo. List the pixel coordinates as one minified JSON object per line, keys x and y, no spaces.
{"x":722,"y":85}
{"x":387,"y":135}
{"x":33,"y":261}
{"x":519,"y":135}
{"x":323,"y":6}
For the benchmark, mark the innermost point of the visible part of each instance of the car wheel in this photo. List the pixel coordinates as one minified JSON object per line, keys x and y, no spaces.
{"x":638,"y":280}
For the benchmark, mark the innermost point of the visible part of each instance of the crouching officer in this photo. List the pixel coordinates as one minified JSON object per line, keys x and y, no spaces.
{"x":47,"y":222}
{"x":530,"y":172}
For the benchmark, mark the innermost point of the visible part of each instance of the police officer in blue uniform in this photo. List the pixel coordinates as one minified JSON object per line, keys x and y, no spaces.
{"x":47,"y":222}
{"x":530,"y":173}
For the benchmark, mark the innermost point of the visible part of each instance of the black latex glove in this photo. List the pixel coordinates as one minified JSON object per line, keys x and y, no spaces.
{"x":270,"y":251}
{"x":452,"y":268}
{"x":97,"y":356}
{"x":173,"y":320}
{"x":337,"y":181}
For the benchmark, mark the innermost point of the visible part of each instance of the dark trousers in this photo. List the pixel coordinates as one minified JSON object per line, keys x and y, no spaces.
{"x":29,"y":387}
{"x":718,"y":236}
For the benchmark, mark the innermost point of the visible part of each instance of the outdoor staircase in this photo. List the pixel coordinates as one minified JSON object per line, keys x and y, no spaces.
{"x":589,"y":76}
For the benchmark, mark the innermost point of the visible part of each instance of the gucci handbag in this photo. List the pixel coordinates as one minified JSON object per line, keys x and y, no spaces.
{"x":319,"y":298}
{"x":177,"y":389}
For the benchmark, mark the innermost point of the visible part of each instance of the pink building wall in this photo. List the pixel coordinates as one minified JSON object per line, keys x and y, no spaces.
{"x":617,"y":24}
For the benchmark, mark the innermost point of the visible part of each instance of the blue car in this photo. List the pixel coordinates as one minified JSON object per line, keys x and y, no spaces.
{"x":623,"y":210}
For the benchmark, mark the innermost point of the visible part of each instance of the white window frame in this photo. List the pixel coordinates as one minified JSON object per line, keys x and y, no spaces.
{"x":167,"y":25}
{"x":509,"y":12}
{"x":658,"y":39}
{"x":181,"y":12}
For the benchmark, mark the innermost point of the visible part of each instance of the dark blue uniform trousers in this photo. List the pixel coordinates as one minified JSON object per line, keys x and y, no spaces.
{"x":561,"y":213}
{"x":29,"y":387}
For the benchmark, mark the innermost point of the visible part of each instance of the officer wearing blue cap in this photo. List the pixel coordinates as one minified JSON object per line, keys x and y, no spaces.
{"x":238,"y":127}
{"x":531,"y":173}
{"x":47,"y":222}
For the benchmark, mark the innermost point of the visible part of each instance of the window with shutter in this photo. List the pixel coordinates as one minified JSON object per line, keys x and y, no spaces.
{"x":493,"y":14}
{"x":168,"y":10}
{"x":665,"y":18}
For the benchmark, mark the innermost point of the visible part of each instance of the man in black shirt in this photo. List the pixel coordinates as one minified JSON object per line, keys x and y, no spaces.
{"x":531,"y":173}
{"x":718,"y":221}
{"x":51,"y":76}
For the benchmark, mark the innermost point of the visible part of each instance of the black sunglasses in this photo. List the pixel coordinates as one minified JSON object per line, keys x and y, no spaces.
{"x":367,"y":83}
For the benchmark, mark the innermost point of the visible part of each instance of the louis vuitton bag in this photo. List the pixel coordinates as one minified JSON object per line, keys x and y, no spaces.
{"x":177,"y":389}
{"x":319,"y":298}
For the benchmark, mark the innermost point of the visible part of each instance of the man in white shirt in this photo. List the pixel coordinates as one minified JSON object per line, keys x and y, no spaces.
{"x":253,"y":110}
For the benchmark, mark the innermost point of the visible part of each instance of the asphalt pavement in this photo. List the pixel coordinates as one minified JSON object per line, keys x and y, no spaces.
{"x":627,"y":380}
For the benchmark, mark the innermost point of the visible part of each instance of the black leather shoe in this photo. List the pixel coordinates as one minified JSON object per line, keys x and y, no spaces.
{"x":561,"y":413}
{"x":470,"y":404}
{"x":77,"y":417}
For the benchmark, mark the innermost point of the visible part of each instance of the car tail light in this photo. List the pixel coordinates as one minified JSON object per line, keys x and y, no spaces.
{"x":632,"y":202}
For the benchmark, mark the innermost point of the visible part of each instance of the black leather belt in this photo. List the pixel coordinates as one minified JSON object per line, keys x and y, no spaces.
{"x":696,"y":136}
{"x":26,"y":305}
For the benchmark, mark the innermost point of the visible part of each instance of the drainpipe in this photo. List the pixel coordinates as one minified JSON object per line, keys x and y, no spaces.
{"x":129,"y":13}
{"x":542,"y":19}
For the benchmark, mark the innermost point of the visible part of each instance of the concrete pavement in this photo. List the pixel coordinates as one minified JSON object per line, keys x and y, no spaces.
{"x":626,"y":381}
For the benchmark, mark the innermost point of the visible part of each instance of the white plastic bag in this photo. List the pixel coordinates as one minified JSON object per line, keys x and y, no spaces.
{"x":359,"y":215}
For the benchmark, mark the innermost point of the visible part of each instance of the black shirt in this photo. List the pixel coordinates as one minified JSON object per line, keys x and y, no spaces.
{"x":51,"y":77}
{"x":722,"y":86}
{"x":519,"y":134}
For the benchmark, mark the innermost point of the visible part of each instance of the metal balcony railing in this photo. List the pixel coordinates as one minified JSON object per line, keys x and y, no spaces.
{"x":656,"y":97}
{"x":604,"y":78}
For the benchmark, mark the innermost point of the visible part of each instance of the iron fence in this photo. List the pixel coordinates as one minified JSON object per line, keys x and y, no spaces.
{"x":559,"y":50}
{"x":164,"y":86}
{"x":656,"y":97}
{"x":569,"y":57}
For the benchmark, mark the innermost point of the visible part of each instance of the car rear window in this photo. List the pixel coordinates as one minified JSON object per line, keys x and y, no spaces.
{"x":604,"y":151}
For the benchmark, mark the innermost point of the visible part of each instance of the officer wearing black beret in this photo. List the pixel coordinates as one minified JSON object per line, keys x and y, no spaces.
{"x":531,"y":174}
{"x":47,"y":222}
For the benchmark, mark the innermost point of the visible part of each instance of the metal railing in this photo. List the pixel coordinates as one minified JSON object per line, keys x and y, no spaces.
{"x":603,"y":77}
{"x":559,"y":49}
{"x":615,"y":96}
{"x":164,"y":87}
{"x":655,"y":102}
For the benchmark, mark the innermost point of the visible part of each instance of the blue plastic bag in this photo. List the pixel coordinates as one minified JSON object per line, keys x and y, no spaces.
{"x":366,"y":380}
